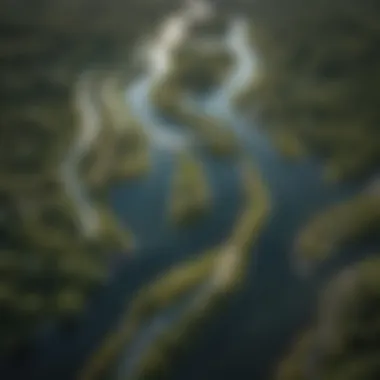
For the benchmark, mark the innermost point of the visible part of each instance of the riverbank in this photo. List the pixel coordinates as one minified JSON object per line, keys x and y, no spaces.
{"x":121,"y":149}
{"x":189,"y":68}
{"x":271,"y":306}
{"x":316,"y":94}
{"x":190,"y":196}
{"x":210,"y":132}
{"x":346,"y":313}
{"x":219,"y":270}
{"x":225,"y":268}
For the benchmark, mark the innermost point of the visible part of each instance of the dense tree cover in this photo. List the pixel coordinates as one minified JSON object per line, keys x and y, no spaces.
{"x":54,"y":54}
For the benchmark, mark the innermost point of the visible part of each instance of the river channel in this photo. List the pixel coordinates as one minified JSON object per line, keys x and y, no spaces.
{"x":250,"y":333}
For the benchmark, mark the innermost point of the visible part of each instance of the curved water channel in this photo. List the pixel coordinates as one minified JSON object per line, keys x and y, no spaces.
{"x":250,"y":333}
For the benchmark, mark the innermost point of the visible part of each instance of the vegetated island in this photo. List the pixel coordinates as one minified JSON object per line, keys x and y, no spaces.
{"x":190,"y":195}
{"x":112,"y":234}
{"x":212,"y":276}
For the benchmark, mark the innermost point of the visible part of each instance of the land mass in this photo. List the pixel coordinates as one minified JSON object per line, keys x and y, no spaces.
{"x":190,"y":195}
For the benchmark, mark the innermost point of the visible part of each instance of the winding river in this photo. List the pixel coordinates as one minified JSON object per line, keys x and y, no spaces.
{"x":243,"y":341}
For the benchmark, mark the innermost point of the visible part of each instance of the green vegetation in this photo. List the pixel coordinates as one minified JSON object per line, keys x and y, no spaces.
{"x":214,"y":26}
{"x":132,"y":159}
{"x":50,"y":220}
{"x":173,"y":284}
{"x":196,"y":69}
{"x":45,"y":283}
{"x":319,"y":82}
{"x":116,"y":156}
{"x":224,"y":270}
{"x":45,"y":51}
{"x":320,"y":85}
{"x":29,"y":152}
{"x":153,"y":297}
{"x":166,"y":97}
{"x":121,"y":149}
{"x":80,"y":269}
{"x":358,"y":327}
{"x":214,"y":136}
{"x":221,"y":270}
{"x":291,"y":368}
{"x":35,"y":279}
{"x":346,"y":334}
{"x":341,"y":224}
{"x":199,"y":66}
{"x":190,"y":195}
{"x":256,"y":208}
{"x":112,"y":235}
{"x":130,"y":148}
{"x":245,"y":97}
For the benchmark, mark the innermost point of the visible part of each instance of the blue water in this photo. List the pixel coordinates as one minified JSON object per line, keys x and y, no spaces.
{"x":251,"y":332}
{"x":244,"y":339}
{"x":155,"y":327}
{"x":275,"y":301}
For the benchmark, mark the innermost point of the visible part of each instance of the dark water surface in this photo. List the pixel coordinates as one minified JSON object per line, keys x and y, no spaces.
{"x":245,"y":338}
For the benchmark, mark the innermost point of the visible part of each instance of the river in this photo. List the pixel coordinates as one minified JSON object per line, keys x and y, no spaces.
{"x":244,"y":340}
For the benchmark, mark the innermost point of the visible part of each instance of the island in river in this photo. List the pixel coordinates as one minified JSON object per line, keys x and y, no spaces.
{"x":257,"y":322}
{"x":190,"y":195}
